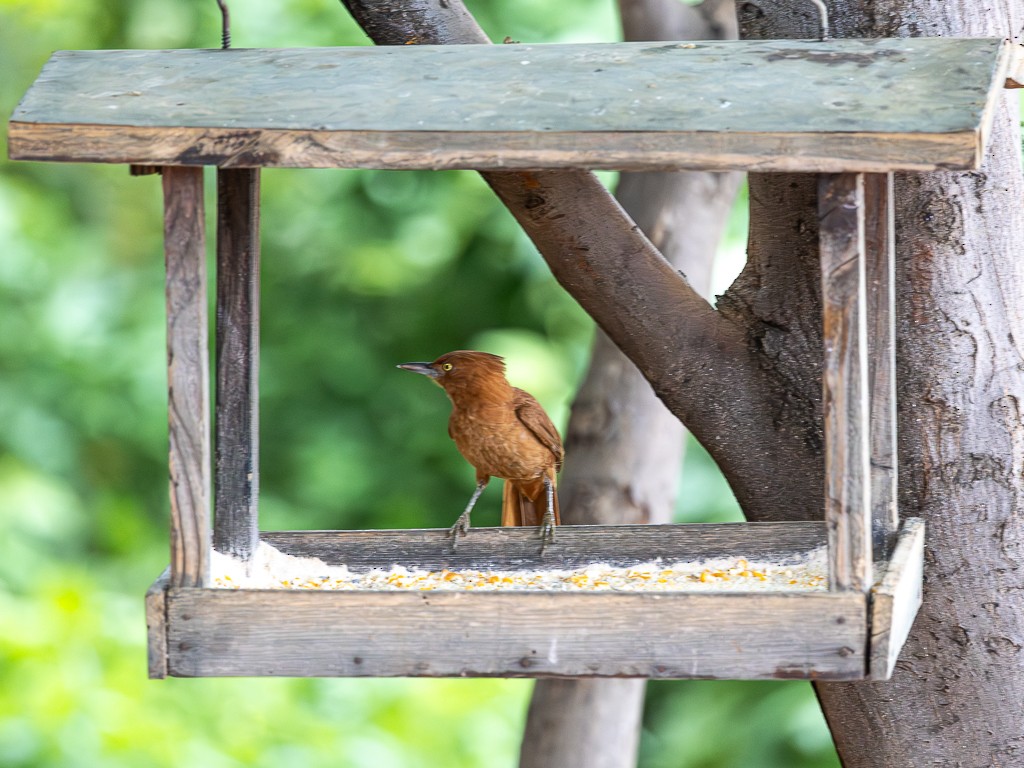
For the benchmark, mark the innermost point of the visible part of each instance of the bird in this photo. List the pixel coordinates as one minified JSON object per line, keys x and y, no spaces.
{"x":502,"y":431}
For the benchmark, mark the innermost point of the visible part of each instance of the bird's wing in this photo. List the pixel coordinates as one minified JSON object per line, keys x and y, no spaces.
{"x":533,"y":417}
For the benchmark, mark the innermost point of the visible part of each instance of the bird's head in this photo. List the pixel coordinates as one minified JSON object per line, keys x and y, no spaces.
{"x":462,"y":368}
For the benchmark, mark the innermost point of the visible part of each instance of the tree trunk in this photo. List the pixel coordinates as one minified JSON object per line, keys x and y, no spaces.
{"x":746,"y":379}
{"x":957,"y":697}
{"x":623,"y":447}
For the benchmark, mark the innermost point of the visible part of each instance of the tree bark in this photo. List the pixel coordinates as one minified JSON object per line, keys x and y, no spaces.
{"x":957,"y":697}
{"x":746,"y":379}
{"x":623,"y":447}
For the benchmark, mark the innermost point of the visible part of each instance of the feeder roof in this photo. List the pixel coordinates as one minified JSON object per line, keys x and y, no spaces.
{"x":793,"y":105}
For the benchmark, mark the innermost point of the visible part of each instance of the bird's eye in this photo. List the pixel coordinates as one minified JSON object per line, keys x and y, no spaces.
{"x":447,"y":366}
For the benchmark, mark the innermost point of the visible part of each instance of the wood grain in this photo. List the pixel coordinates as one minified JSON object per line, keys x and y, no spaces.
{"x":518,"y":548}
{"x":496,"y":151}
{"x":715,"y":105}
{"x":845,"y":381}
{"x":896,"y":600}
{"x":187,"y":375}
{"x":879,"y":233}
{"x":818,"y":636}
{"x":304,"y":633}
{"x":236,"y":481}
{"x":156,"y":626}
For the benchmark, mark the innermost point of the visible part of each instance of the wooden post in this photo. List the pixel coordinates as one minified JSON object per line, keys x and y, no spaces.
{"x":845,"y":381}
{"x":187,"y":375}
{"x":156,"y":627}
{"x":881,"y":318}
{"x":236,"y":484}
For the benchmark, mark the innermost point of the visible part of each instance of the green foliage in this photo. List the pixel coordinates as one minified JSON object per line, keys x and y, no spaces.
{"x":362,"y":270}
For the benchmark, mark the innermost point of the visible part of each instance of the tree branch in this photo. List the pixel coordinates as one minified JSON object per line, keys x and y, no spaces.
{"x":699,"y":364}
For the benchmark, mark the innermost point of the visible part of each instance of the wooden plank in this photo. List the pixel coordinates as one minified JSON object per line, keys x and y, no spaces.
{"x":187,"y":375}
{"x":817,"y":636}
{"x":156,"y":626}
{"x":845,"y":381}
{"x":881,"y":318}
{"x":236,"y":483}
{"x":914,"y":103}
{"x":576,"y":545}
{"x":896,"y":600}
{"x":787,"y":152}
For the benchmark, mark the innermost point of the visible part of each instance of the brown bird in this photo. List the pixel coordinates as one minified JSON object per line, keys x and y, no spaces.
{"x":503,"y":432}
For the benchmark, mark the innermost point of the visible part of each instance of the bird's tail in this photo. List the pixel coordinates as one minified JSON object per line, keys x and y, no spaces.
{"x":524,"y":503}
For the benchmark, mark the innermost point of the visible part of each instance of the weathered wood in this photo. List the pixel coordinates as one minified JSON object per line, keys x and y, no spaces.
{"x":576,"y":545}
{"x":845,"y":381}
{"x":431,"y":634}
{"x":895,"y":601}
{"x":498,"y":150}
{"x":715,"y":105}
{"x":879,"y":232}
{"x":187,"y":375}
{"x":236,"y":481}
{"x":156,"y":626}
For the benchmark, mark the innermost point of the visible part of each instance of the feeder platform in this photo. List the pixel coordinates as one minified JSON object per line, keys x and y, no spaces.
{"x":852,"y":111}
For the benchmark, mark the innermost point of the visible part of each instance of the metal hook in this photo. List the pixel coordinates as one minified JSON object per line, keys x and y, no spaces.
{"x":225,"y":29}
{"x":823,"y":11}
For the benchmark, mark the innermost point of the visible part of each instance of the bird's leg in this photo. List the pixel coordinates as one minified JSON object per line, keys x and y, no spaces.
{"x":547,"y":526}
{"x":462,"y":524}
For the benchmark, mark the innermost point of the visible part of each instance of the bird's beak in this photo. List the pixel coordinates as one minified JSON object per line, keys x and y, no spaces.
{"x":425,"y":368}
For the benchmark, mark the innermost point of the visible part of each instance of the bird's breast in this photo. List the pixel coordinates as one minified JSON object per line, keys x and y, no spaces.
{"x":499,"y":445}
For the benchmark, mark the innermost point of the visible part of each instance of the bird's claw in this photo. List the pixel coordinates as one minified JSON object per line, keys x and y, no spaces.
{"x":547,"y":532}
{"x":461,"y":528}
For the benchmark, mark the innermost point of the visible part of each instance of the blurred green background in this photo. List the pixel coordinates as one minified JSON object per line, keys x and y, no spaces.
{"x":361,"y":270}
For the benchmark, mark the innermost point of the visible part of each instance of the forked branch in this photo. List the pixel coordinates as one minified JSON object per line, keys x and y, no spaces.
{"x":698,"y":363}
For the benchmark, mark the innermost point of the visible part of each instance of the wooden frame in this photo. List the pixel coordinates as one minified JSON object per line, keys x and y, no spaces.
{"x":849,"y":633}
{"x":820,"y":636}
{"x":274,"y":632}
{"x":84,"y":108}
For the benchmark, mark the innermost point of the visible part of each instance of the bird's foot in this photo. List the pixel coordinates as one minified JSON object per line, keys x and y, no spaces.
{"x":461,"y":528}
{"x":547,"y":531}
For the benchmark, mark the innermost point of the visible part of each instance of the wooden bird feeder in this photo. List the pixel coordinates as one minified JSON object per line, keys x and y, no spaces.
{"x":852,"y":111}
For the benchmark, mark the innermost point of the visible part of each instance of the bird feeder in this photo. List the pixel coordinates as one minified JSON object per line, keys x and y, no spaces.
{"x":852,"y":111}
